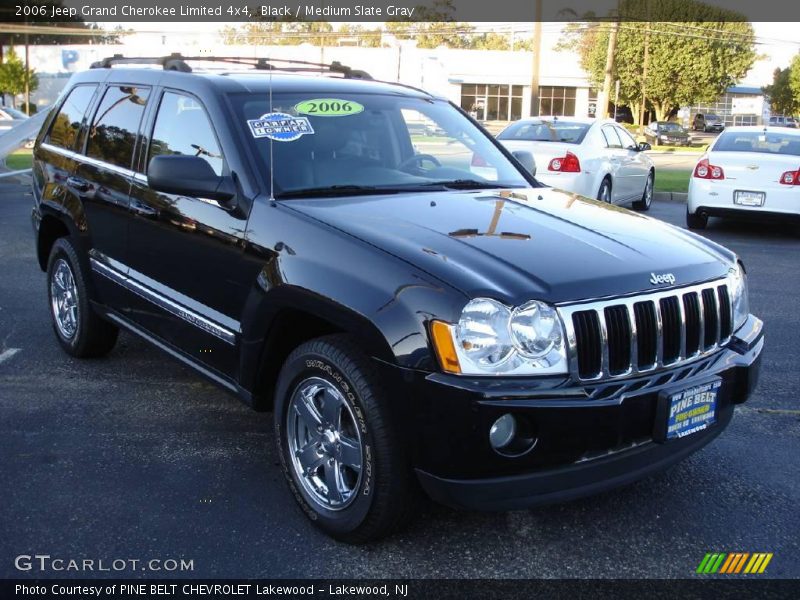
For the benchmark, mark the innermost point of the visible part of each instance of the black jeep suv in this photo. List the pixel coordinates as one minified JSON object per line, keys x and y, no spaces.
{"x":416,"y":310}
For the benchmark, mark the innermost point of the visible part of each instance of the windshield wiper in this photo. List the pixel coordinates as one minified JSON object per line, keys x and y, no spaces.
{"x":467,"y":184}
{"x":338,"y":190}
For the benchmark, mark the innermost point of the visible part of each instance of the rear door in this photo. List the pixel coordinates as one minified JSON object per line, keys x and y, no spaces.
{"x":617,"y":156}
{"x":103,"y":177}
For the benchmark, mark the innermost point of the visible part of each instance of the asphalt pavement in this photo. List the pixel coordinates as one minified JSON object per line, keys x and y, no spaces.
{"x":136,"y":457}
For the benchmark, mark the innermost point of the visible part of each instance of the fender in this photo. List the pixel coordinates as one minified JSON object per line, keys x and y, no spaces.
{"x":316,"y":273}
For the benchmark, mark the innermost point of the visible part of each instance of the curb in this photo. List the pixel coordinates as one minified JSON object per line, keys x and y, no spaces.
{"x":670,"y":197}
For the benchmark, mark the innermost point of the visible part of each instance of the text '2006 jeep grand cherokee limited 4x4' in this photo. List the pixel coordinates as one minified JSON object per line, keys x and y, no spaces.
{"x":365,"y":261}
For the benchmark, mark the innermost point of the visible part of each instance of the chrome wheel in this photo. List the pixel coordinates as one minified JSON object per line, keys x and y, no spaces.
{"x":324,"y":444}
{"x":648,"y":191}
{"x":604,"y":195}
{"x":64,"y":299}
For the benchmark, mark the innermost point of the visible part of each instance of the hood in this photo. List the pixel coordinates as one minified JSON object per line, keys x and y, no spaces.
{"x":516,"y":245}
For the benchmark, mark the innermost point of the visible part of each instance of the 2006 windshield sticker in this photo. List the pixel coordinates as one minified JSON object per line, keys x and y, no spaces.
{"x":281,"y":127}
{"x":329,"y":107}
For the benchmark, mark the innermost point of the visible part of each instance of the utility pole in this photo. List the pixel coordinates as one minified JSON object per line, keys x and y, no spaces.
{"x":644,"y":68}
{"x":537,"y":51}
{"x":609,"y":72}
{"x":27,"y":77}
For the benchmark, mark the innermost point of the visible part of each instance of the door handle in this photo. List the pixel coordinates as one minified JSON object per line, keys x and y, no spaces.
{"x":79,"y":184}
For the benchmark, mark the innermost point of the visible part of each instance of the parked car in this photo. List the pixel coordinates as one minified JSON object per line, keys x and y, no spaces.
{"x":666,"y":132}
{"x":780,"y":121}
{"x":749,"y":172}
{"x":495,"y":342}
{"x":10,"y":118}
{"x":708,"y":122}
{"x":593,"y":158}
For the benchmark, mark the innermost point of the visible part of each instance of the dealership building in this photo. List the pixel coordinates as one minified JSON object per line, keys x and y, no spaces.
{"x":491,"y":85}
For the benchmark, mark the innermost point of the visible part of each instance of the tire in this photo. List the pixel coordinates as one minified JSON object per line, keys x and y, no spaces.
{"x":79,"y":329}
{"x":647,"y":195}
{"x":604,"y":191}
{"x":343,"y":386}
{"x":696,"y":220}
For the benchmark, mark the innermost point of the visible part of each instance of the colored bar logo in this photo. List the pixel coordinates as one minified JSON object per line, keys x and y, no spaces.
{"x":734,"y":563}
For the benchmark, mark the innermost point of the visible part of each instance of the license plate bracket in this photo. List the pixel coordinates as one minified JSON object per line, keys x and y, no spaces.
{"x":685,"y":411}
{"x":748,"y":198}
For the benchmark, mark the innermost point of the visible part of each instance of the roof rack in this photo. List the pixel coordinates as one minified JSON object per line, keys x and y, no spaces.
{"x":178,"y":62}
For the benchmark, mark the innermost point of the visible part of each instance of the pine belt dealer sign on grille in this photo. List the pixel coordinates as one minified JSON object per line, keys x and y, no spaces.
{"x":692,"y":410}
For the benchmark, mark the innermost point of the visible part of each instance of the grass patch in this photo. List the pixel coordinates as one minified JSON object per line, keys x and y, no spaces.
{"x":20,"y":159}
{"x":672,"y":180}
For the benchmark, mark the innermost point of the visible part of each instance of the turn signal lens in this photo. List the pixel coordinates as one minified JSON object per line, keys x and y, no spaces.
{"x":565,"y":164}
{"x":704,"y":170}
{"x":445,"y":349}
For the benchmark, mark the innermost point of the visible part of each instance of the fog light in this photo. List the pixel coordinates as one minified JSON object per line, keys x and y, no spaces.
{"x":502,"y":432}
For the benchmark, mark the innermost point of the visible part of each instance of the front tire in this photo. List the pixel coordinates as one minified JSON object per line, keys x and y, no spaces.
{"x":696,"y":220}
{"x":647,"y":195}
{"x":338,"y":446}
{"x":79,"y":329}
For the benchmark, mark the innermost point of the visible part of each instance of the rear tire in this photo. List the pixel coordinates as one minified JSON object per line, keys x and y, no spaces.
{"x":696,"y":220}
{"x":604,"y":193}
{"x":647,"y":196}
{"x":331,"y":412}
{"x":79,"y":329}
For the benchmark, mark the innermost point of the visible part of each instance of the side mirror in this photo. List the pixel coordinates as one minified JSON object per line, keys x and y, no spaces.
{"x":643,"y":146}
{"x":526,"y":159}
{"x":188,"y":176}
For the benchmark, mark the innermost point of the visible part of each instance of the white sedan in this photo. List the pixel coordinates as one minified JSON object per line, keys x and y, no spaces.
{"x":593,"y":158}
{"x":749,"y":172}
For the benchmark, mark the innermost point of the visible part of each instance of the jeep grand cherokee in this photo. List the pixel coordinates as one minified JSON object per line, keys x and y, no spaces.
{"x":412,"y":320}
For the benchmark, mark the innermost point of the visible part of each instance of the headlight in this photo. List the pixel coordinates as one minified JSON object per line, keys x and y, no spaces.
{"x":741,"y":305}
{"x":663,"y":136}
{"x":491,"y":338}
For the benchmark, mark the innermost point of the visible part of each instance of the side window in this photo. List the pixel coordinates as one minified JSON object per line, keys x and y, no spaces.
{"x":112,"y":135}
{"x":626,"y":138}
{"x":611,"y":137}
{"x":182,"y":127}
{"x":67,"y":123}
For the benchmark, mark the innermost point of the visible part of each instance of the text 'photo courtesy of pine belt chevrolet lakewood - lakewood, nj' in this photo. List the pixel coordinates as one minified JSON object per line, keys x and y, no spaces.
{"x":436,"y":322}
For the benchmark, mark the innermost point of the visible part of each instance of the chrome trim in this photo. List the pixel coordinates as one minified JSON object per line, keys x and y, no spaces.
{"x":89,"y":160}
{"x":567,"y":310}
{"x":163,"y":302}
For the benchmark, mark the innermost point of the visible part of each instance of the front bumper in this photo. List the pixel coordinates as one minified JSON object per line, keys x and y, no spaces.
{"x":590,"y":439}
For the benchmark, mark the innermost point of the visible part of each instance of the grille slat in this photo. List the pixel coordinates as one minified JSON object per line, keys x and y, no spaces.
{"x":615,"y":338}
{"x":710,"y":318}
{"x":691,"y":309}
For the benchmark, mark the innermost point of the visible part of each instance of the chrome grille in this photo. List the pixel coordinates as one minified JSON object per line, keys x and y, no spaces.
{"x":625,"y":336}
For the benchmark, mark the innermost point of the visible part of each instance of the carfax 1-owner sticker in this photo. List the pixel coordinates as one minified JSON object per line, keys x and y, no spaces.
{"x":692,"y":409}
{"x":281,"y":127}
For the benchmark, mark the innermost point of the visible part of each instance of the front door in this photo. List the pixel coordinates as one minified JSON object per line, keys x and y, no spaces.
{"x":186,"y":253}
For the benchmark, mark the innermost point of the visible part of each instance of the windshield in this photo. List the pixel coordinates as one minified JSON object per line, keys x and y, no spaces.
{"x":371,"y":142}
{"x":670,"y":127}
{"x":712,"y":118}
{"x":755,"y":141}
{"x":569,"y":132}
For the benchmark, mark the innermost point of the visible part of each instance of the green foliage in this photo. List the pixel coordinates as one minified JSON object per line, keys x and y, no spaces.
{"x":691,"y":61}
{"x":781,"y":97}
{"x":794,"y":81}
{"x":13,"y":76}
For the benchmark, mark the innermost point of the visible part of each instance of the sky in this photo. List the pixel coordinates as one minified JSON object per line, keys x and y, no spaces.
{"x":778,"y":42}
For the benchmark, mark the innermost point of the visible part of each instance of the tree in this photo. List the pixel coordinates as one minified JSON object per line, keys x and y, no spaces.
{"x":695,"y":52}
{"x":13,"y":77}
{"x":434,"y":26}
{"x":781,"y":97}
{"x":794,"y":82}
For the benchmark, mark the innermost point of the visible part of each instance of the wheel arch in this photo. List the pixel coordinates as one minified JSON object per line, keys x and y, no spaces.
{"x":281,"y":324}
{"x":51,"y":228}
